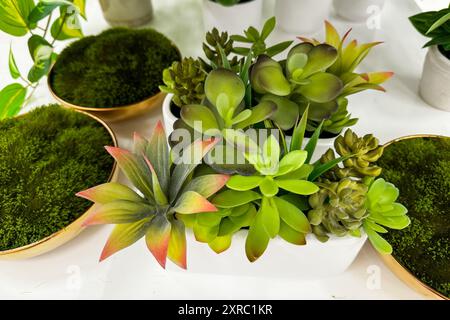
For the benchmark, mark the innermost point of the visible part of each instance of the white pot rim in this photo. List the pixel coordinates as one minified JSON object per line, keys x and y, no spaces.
{"x":440,"y":60}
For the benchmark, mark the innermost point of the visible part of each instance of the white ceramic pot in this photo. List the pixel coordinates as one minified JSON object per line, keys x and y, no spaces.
{"x":281,"y":259}
{"x":434,"y":86}
{"x":168,"y":117}
{"x":358,"y":11}
{"x":128,"y":13}
{"x":302,"y":17}
{"x":234,"y":19}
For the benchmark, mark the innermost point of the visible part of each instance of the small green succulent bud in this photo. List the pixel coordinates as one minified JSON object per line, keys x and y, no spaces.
{"x":338,"y":208}
{"x":363,"y":153}
{"x":267,"y":77}
{"x":214,"y":40}
{"x":186,"y":81}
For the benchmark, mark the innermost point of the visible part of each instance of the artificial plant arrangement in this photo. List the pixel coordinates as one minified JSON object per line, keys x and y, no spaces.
{"x":46,"y":156}
{"x":116,"y":68}
{"x":434,"y":25}
{"x":39,"y":22}
{"x":286,"y":195}
{"x":314,"y":74}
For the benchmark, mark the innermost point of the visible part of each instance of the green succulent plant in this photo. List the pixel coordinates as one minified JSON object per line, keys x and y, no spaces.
{"x":164,"y":189}
{"x":270,"y":201}
{"x":362,"y":154}
{"x":217,"y":47}
{"x":434,"y":25}
{"x":383,"y":212}
{"x":338,"y":208}
{"x":348,"y":59}
{"x":186,"y":81}
{"x":275,"y":215}
{"x":257,"y":41}
{"x":222,"y":115}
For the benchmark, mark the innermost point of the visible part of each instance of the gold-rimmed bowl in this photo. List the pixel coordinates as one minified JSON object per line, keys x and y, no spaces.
{"x":69,"y":232}
{"x":112,"y":114}
{"x":393,"y":264}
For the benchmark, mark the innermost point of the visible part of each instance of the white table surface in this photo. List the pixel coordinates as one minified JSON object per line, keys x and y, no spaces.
{"x":73,"y":272}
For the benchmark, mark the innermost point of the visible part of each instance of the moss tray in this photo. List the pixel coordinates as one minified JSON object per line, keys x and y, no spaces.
{"x":420,"y":168}
{"x":116,"y":68}
{"x":46,"y":156}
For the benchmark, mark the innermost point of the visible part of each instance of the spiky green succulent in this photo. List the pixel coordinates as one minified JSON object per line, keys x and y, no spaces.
{"x":361,"y":152}
{"x":186,"y":81}
{"x":383,"y":212}
{"x":217,"y":47}
{"x":338,"y":208}
{"x":164,"y":189}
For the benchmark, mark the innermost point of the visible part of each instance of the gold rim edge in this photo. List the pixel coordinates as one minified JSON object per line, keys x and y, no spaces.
{"x":11,"y":252}
{"x":392,"y":263}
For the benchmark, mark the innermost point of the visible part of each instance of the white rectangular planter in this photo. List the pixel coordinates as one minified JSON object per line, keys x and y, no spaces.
{"x":281,"y":259}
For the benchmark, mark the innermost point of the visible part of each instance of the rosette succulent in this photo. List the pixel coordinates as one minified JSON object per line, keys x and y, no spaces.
{"x":338,"y":208}
{"x":384,"y":212}
{"x":163,"y":189}
{"x":185,"y":80}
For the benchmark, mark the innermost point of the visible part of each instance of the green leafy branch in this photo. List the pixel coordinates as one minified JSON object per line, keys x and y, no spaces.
{"x":21,"y":18}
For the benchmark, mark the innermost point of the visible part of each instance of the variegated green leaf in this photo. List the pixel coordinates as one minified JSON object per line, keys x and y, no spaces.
{"x":109,"y":192}
{"x":158,"y":238}
{"x":119,"y":212}
{"x":192,"y":202}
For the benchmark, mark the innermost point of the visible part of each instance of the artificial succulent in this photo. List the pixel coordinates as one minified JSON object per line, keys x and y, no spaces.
{"x":338,"y":208}
{"x":185,"y":79}
{"x":383,"y":212}
{"x":361,"y":155}
{"x":217,"y":47}
{"x":257,"y":41}
{"x":164,"y":188}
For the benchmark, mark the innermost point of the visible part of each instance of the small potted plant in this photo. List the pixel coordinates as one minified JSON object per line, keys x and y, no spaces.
{"x":315,"y":74}
{"x":358,"y":11}
{"x":436,"y":70}
{"x":128,"y":13}
{"x":302,"y":16}
{"x":114,"y":75}
{"x":232,"y":15}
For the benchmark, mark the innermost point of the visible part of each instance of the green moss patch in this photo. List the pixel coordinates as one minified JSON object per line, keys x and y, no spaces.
{"x":118,"y":67}
{"x":420,"y":168}
{"x":46,"y":157}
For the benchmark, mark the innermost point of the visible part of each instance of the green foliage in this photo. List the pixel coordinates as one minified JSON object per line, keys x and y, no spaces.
{"x":257,"y":41}
{"x":217,"y":48}
{"x":21,"y":17}
{"x":434,"y":25}
{"x":186,"y":80}
{"x":362,"y":153}
{"x":420,"y":167}
{"x":384,"y":212}
{"x":165,"y":188}
{"x":229,"y":3}
{"x":46,"y":156}
{"x":338,"y":208}
{"x":118,"y":67}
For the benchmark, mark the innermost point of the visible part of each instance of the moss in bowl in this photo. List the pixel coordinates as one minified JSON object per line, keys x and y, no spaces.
{"x":420,"y":167}
{"x":46,"y":157}
{"x":116,"y":68}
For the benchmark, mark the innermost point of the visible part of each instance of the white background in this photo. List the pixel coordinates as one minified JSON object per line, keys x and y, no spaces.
{"x":72,"y":271}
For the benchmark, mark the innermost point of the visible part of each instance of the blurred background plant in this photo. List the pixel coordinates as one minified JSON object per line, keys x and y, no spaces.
{"x":45,"y":22}
{"x":434,"y":25}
